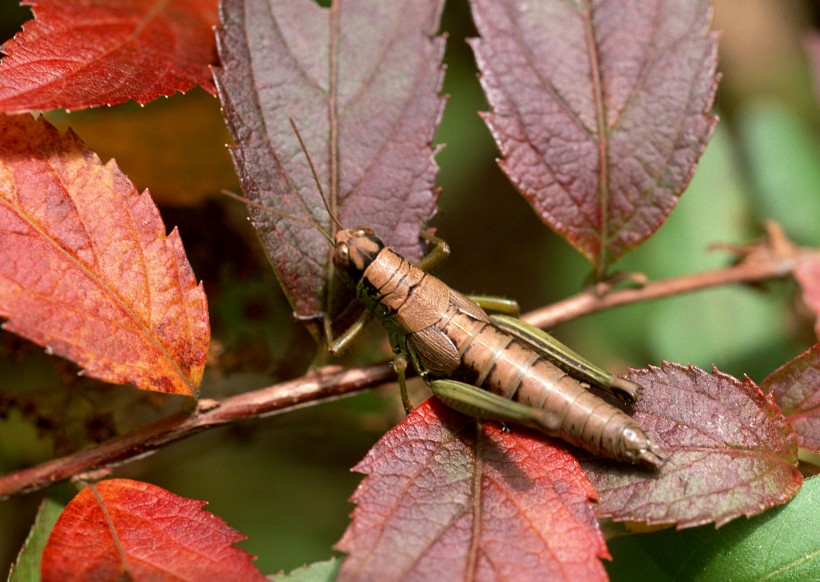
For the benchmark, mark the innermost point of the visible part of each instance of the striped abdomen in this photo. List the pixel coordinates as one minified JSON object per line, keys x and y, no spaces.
{"x":496,"y":361}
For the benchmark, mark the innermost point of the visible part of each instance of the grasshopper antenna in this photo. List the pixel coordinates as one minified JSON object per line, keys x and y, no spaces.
{"x":328,"y":324}
{"x":315,"y":174}
{"x":292,"y":217}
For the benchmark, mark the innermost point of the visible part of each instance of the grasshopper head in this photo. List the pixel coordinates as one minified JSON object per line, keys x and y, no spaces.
{"x":355,"y":250}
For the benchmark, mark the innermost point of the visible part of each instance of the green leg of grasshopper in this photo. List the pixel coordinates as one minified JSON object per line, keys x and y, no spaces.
{"x":439,"y":252}
{"x":339,"y":344}
{"x":405,"y":357}
{"x":400,"y":366}
{"x":497,"y":304}
{"x":479,"y":403}
{"x":570,"y":362}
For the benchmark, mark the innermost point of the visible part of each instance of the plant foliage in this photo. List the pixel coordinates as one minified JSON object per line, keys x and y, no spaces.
{"x":600,"y":109}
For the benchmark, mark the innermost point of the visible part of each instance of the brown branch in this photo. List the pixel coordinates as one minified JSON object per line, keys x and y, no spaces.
{"x":772,"y":258}
{"x":322,"y":385}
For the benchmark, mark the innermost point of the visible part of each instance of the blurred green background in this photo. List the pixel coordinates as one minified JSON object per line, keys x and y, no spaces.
{"x":284,"y":481}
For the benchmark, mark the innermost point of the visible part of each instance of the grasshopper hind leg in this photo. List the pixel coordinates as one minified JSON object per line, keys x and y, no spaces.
{"x":634,"y":445}
{"x":478,"y":403}
{"x":569,"y":361}
{"x":626,"y":390}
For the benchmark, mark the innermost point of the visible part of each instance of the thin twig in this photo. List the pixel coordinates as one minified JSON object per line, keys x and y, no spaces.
{"x":772,"y":258}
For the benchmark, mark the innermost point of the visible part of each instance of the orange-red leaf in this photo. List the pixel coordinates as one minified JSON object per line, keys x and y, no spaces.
{"x":86,"y":268}
{"x":78,"y":54}
{"x":443,"y":502}
{"x":128,"y":530}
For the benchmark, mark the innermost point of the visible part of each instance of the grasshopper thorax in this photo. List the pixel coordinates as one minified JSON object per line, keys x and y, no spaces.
{"x":355,"y":250}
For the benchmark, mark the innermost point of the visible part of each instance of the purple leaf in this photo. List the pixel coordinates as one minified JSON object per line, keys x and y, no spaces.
{"x":361,"y":82}
{"x":600,"y":110}
{"x":796,"y":389}
{"x":730,"y":452}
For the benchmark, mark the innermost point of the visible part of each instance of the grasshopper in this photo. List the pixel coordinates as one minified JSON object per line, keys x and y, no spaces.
{"x":494,"y":367}
{"x":491,"y":367}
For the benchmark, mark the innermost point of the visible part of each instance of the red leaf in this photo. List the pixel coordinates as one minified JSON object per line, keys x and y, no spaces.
{"x":731,"y":452}
{"x":807,"y":274}
{"x":77,"y":53}
{"x":86,"y":268}
{"x":796,"y":389}
{"x":121,"y":529}
{"x":361,"y":82}
{"x":600,"y":109}
{"x":443,"y":503}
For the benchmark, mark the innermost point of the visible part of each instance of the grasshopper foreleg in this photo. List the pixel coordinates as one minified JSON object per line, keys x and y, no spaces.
{"x":400,"y":366}
{"x":337,"y":345}
{"x":439,"y":252}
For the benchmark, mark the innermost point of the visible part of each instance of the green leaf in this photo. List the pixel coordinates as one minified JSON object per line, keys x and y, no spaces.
{"x":27,"y":568}
{"x":780,"y":545}
{"x":317,"y":572}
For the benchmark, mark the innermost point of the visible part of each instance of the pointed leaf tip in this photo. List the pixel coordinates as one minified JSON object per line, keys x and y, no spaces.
{"x":123,"y":529}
